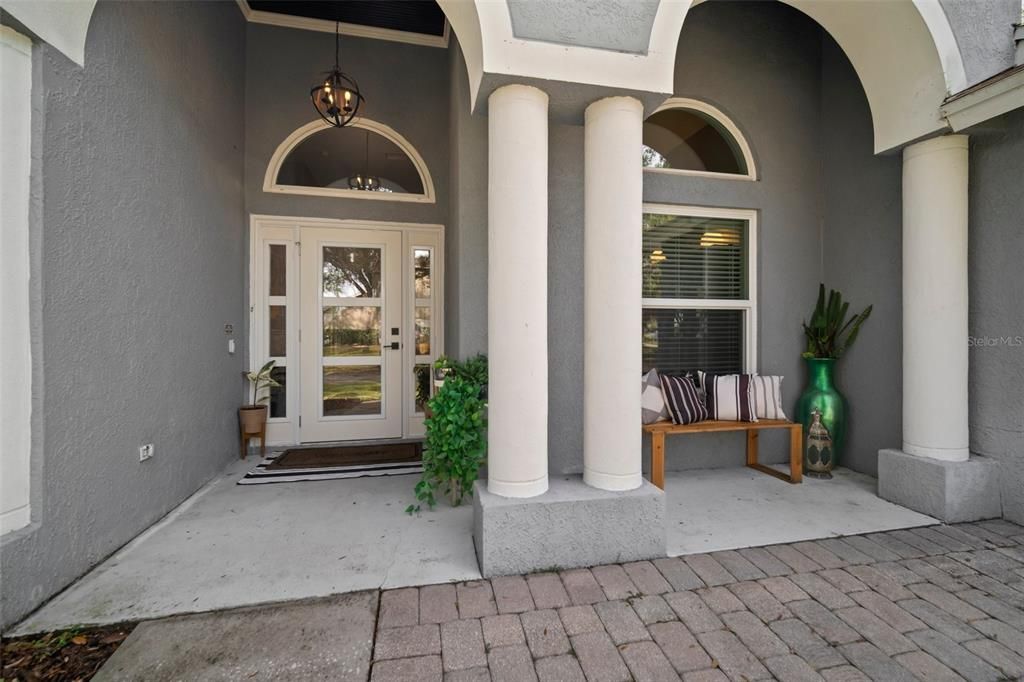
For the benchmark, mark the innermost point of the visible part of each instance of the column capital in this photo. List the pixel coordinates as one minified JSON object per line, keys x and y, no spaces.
{"x":935,"y":144}
{"x":518,"y":91}
{"x":615,"y":102}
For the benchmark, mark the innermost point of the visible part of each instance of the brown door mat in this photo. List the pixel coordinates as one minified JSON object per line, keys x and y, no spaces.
{"x":348,"y":455}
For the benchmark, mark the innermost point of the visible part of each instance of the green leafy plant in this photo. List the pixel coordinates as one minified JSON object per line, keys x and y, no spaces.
{"x":830,"y":333}
{"x":473,"y":370}
{"x":456,"y":443}
{"x":259,"y":380}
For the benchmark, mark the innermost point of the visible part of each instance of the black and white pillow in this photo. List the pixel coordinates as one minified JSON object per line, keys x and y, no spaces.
{"x":683,"y":400}
{"x":729,"y":397}
{"x":767,"y":397}
{"x":652,"y":402}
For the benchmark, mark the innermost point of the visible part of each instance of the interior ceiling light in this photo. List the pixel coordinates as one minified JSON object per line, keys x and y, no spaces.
{"x":337,"y":99}
{"x":364,"y":181}
{"x":727,"y":238}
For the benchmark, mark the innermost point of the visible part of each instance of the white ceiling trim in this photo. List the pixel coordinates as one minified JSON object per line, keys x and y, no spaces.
{"x":357,"y":30}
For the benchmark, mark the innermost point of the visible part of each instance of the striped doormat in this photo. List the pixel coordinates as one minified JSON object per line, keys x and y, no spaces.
{"x":331,"y":462}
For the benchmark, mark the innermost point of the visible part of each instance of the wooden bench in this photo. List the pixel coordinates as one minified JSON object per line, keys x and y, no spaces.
{"x":660,"y":429}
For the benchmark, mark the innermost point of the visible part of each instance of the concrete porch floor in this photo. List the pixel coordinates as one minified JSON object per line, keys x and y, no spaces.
{"x":230,"y":546}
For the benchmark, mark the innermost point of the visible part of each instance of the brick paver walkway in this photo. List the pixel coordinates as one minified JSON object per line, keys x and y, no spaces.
{"x":938,"y":603}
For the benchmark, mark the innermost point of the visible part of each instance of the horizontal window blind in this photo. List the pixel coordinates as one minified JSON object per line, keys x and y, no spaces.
{"x":694,"y":257}
{"x":677,"y":341}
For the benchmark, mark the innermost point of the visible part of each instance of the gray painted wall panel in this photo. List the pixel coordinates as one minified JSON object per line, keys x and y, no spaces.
{"x":759,"y":64}
{"x":466,"y":242}
{"x":862,"y":247}
{"x":138,"y":248}
{"x":406,"y":87}
{"x":996,"y":252}
{"x":565,"y":299}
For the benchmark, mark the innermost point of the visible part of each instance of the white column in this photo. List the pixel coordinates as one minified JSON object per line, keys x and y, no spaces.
{"x":517,"y":294}
{"x":613,"y":203}
{"x":935,"y":299}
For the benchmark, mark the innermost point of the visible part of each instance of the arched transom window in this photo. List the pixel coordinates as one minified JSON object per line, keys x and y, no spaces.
{"x":689,"y":136}
{"x":365,"y":160}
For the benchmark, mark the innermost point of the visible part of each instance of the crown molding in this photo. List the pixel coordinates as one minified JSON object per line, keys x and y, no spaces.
{"x":357,"y":30}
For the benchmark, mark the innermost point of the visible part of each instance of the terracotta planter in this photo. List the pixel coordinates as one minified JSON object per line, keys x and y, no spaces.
{"x":252,"y":418}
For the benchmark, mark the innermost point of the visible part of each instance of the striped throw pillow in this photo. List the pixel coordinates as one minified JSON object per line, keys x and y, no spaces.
{"x":652,"y":402}
{"x":767,"y":397}
{"x":682,"y":400}
{"x":729,"y":397}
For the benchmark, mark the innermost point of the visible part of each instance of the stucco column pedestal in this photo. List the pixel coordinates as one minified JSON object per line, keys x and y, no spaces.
{"x":935,"y":473}
{"x":519,"y":526}
{"x":571,"y":525}
{"x":517,"y":292}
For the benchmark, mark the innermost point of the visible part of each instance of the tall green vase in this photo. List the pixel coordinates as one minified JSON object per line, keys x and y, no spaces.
{"x":822,"y":411}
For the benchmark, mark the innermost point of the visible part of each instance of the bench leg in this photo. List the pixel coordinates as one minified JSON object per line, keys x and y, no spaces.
{"x":752,"y":447}
{"x":658,"y":459}
{"x":796,"y":455}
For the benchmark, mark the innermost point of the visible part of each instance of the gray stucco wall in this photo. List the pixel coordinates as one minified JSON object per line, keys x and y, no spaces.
{"x":759,"y":63}
{"x":762,"y":64}
{"x":466,"y":234}
{"x":137,"y":254}
{"x":984,"y":34}
{"x":996,"y":323}
{"x":862,"y":250}
{"x":406,"y":88}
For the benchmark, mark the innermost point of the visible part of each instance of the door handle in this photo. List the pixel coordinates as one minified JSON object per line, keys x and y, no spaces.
{"x":395,"y":345}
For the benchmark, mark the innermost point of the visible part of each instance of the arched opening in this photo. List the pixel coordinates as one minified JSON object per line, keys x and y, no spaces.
{"x":365,"y":160}
{"x":689,"y":136}
{"x":913,"y":34}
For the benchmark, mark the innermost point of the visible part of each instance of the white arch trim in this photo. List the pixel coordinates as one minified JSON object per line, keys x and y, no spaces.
{"x":945,"y":43}
{"x":292,"y":141}
{"x":913,"y":34}
{"x":727,"y":123}
{"x":63,"y":24}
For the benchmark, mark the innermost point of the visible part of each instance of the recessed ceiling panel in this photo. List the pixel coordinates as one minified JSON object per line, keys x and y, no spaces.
{"x":413,"y":16}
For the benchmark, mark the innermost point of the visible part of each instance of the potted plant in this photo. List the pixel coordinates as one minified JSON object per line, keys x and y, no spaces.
{"x":821,"y":408}
{"x":456,"y":422}
{"x":253,"y":417}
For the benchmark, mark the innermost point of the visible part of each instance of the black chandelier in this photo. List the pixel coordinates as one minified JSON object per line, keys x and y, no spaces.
{"x":337,"y":99}
{"x":364,"y":181}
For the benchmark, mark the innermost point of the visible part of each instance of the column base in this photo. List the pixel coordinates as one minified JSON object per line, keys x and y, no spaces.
{"x":571,"y":525}
{"x":953,"y":492}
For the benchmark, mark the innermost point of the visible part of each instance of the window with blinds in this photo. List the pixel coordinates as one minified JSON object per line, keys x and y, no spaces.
{"x":698,"y":306}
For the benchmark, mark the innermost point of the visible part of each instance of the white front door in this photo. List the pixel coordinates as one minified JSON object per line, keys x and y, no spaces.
{"x":351,"y":333}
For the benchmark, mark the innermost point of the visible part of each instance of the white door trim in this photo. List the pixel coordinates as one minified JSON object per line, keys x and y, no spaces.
{"x":263,"y":227}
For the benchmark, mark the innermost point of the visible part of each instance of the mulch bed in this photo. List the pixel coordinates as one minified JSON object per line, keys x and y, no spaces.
{"x":67,"y":655}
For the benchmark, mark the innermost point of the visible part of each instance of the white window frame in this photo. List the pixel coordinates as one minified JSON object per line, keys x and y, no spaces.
{"x":270,"y":183}
{"x":15,"y":268}
{"x":748,"y":305}
{"x":731,"y":128}
{"x":270,"y":229}
{"x":421,"y":239}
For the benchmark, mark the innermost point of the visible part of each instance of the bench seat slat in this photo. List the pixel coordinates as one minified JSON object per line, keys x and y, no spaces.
{"x":717,"y":425}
